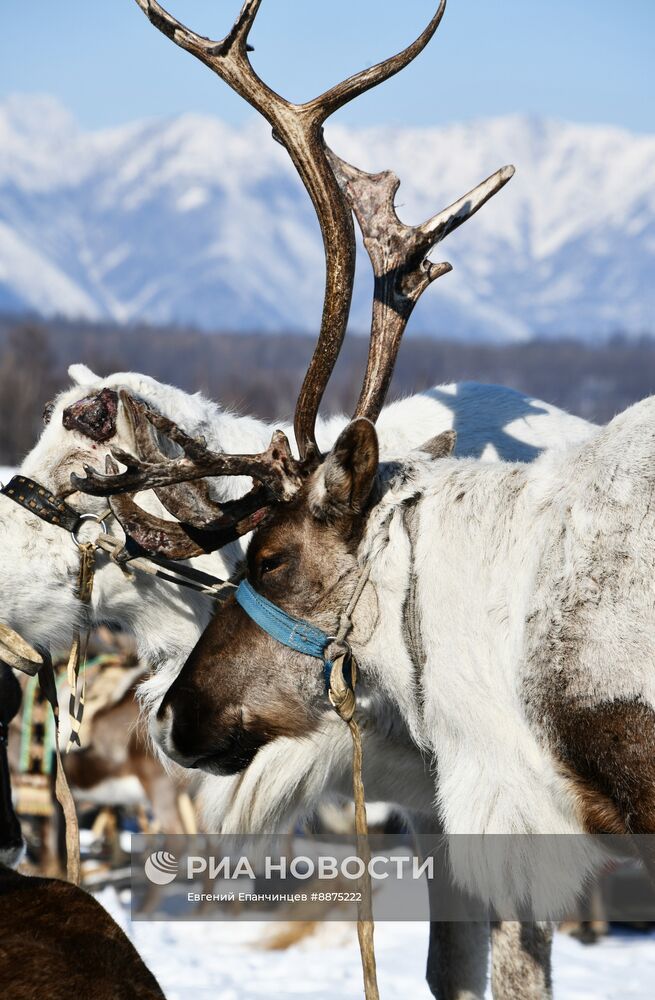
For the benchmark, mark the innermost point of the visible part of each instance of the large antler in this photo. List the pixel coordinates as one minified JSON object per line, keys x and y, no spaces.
{"x":399,"y":255}
{"x":402,"y":272}
{"x":299,"y":128}
{"x":275,"y":468}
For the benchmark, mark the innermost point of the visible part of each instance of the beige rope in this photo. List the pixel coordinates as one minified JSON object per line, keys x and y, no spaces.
{"x":77,"y":656}
{"x":365,"y":925}
{"x":76,"y":698}
{"x":342,"y":697}
{"x":48,"y":684}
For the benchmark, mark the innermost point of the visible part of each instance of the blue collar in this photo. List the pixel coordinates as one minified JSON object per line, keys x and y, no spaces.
{"x":291,"y":632}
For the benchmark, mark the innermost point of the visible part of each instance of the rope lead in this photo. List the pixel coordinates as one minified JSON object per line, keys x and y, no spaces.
{"x":343,"y":699}
{"x":365,"y":925}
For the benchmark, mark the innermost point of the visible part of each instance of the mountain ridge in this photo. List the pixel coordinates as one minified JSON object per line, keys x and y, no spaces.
{"x":191,"y":220}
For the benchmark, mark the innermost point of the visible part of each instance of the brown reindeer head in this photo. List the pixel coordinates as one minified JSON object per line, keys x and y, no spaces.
{"x":241,"y":688}
{"x":252,"y":688}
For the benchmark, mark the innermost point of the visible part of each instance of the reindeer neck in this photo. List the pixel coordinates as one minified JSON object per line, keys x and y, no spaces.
{"x":448,"y":569}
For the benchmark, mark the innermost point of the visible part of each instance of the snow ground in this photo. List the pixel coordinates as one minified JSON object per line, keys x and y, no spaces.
{"x":225,"y":961}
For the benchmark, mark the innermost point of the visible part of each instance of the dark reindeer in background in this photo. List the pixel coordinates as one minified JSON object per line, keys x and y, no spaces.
{"x":56,"y":941}
{"x":252,"y":714}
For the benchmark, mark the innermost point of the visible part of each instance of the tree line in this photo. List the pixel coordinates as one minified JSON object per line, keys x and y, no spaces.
{"x":261,"y":373}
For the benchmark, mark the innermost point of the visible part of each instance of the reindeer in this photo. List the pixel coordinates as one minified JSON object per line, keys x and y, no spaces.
{"x":88,"y":955}
{"x":245,"y":724}
{"x":553,"y":580}
{"x":117,"y":766}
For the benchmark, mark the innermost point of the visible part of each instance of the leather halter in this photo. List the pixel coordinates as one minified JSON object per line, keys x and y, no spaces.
{"x":38,"y":500}
{"x":294,"y":633}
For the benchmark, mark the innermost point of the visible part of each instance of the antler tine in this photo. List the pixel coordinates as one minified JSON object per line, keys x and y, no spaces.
{"x":447,"y":221}
{"x":359,"y":83}
{"x":181,"y":540}
{"x":401,"y":269}
{"x":275,"y":468}
{"x":191,"y":504}
{"x":151,"y":533}
{"x":298,"y":128}
{"x":202,"y":524}
{"x":173,"y":28}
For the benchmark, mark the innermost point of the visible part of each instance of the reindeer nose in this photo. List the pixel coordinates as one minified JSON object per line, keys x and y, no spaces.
{"x":164,"y":732}
{"x":221,"y":747}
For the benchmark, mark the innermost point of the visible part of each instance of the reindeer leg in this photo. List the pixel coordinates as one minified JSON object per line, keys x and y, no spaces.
{"x":457,"y":960}
{"x":521,"y":961}
{"x":459,"y":950}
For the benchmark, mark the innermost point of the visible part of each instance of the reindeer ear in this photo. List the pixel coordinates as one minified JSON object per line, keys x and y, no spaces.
{"x":94,"y":416}
{"x":346,"y":478}
{"x":440,"y":446}
{"x":81,"y":375}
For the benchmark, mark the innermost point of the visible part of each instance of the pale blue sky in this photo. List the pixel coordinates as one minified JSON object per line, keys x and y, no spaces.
{"x":583,"y":60}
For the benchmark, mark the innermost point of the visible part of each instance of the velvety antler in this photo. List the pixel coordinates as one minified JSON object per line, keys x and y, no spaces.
{"x":181,"y":539}
{"x":203,"y":525}
{"x":275,"y":468}
{"x":399,"y":255}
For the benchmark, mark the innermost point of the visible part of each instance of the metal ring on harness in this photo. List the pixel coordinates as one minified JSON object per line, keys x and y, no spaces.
{"x":80,"y":521}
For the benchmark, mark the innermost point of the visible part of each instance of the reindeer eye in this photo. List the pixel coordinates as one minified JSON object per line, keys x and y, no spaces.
{"x":271,"y":563}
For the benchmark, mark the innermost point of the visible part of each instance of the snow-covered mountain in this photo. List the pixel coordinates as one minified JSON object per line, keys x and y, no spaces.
{"x":191,"y":220}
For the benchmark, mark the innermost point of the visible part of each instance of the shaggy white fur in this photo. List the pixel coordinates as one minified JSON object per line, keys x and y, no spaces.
{"x":522,"y":571}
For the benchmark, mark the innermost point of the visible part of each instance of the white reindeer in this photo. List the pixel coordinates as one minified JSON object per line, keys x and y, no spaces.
{"x":526,"y":670}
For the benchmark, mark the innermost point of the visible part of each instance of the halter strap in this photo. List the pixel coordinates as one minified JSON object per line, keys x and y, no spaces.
{"x":291,"y":632}
{"x":38,"y":500}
